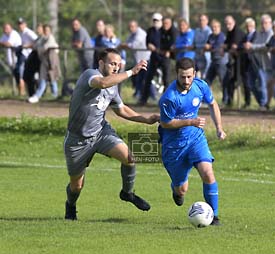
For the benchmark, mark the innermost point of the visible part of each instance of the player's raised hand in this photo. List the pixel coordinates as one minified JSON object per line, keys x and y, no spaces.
{"x":142,"y":65}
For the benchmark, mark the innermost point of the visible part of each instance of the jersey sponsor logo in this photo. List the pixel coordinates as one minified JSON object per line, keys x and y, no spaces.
{"x":185,"y":115}
{"x":102,"y":103}
{"x":196,"y":101}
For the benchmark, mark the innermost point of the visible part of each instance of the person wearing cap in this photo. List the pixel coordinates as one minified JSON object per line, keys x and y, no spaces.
{"x":12,"y":41}
{"x":153,"y":44}
{"x":28,"y":39}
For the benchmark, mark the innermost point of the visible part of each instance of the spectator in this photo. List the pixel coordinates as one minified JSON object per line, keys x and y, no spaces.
{"x":81,"y":41}
{"x":109,"y":40}
{"x":13,"y":42}
{"x":184,"y":40}
{"x":168,"y":34}
{"x":97,"y":40}
{"x":49,"y":68}
{"x":218,"y":57}
{"x":259,"y":71}
{"x":137,"y":40}
{"x":153,"y":44}
{"x":32,"y":64}
{"x":246,"y":60}
{"x":28,"y":38}
{"x":234,"y":37}
{"x":202,"y":58}
{"x":271,"y":82}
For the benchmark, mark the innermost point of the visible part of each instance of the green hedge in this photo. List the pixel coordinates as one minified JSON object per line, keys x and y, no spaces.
{"x":243,"y":136}
{"x":26,"y":124}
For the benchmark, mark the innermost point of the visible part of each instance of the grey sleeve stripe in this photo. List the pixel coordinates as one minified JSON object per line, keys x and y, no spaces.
{"x":91,"y":78}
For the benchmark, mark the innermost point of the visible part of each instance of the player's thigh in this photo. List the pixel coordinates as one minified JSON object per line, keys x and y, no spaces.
{"x":121,"y":152}
{"x":112,"y":145}
{"x":78,"y":154}
{"x":177,"y":165}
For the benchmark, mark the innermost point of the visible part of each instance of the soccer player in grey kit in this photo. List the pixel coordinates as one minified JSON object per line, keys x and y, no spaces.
{"x":89,"y":133}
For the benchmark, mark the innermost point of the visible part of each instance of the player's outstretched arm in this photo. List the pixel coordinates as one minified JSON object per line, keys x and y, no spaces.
{"x":179,"y":123}
{"x":131,"y":115}
{"x":216,"y":117}
{"x":114,"y":79}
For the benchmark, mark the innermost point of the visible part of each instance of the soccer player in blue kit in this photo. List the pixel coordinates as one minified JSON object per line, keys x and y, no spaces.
{"x":89,"y":133}
{"x":184,"y":144}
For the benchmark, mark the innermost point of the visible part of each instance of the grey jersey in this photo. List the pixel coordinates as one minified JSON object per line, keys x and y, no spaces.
{"x":88,"y":106}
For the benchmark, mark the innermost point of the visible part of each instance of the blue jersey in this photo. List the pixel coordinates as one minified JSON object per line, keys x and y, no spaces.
{"x":176,"y":105}
{"x":185,"y":40}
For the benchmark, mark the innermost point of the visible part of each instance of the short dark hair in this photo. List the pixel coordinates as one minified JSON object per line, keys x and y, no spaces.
{"x":104,"y":53}
{"x":185,"y":63}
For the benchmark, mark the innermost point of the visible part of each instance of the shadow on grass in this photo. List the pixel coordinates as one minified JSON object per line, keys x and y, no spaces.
{"x":17,"y":166}
{"x":178,"y":228}
{"x":30,"y":219}
{"x":109,"y":220}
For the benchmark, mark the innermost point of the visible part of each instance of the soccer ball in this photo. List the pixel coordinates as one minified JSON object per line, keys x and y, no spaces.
{"x":200,"y":214}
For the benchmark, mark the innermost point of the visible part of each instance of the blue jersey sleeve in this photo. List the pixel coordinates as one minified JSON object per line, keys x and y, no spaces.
{"x":207,"y":93}
{"x":167,"y":110}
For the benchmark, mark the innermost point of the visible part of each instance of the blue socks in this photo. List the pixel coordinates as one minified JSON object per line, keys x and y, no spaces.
{"x":211,"y":196}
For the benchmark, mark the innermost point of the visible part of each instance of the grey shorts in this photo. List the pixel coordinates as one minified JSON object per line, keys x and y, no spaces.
{"x":79,"y":151}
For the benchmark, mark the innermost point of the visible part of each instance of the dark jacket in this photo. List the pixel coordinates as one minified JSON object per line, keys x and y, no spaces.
{"x":233,"y":37}
{"x":167,"y":38}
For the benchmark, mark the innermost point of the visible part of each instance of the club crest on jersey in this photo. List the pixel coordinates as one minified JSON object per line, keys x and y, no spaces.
{"x":195,"y":101}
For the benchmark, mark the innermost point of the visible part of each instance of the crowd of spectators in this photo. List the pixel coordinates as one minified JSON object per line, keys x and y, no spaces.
{"x":221,"y":50}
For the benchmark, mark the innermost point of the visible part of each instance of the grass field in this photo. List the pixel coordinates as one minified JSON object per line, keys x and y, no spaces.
{"x":33,"y":181}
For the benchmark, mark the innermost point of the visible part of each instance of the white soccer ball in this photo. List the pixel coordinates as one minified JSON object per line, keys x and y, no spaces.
{"x":200,"y":214}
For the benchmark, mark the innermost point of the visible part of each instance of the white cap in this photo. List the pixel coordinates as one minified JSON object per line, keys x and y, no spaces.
{"x":157,"y":16}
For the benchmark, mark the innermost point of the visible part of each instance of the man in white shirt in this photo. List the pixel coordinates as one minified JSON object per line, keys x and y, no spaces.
{"x":12,"y":41}
{"x":135,"y":41}
{"x":28,"y":38}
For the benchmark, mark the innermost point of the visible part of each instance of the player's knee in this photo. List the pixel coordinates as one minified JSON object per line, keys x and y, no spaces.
{"x":209,"y":178}
{"x":129,"y":161}
{"x":77,"y":187}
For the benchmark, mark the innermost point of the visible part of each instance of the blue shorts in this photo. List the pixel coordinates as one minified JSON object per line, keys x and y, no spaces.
{"x":179,"y":161}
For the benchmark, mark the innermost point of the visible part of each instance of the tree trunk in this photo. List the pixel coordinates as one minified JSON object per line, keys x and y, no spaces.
{"x":53,"y":13}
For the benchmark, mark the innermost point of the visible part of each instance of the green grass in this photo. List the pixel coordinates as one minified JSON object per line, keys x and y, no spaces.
{"x":33,"y":181}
